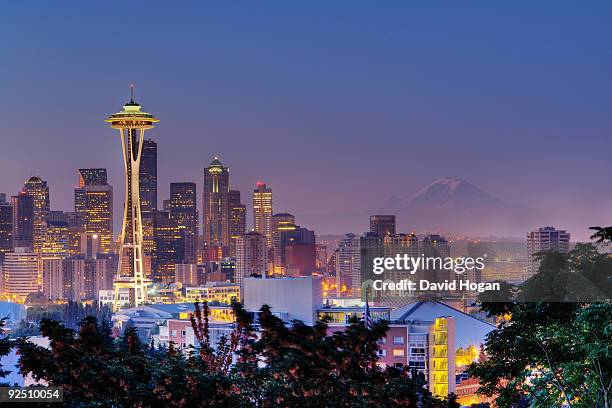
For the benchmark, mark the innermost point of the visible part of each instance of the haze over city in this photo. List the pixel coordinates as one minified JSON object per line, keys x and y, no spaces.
{"x":338,"y":109}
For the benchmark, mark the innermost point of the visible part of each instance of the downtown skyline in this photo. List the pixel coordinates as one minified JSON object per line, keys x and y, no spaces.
{"x":532,"y":128}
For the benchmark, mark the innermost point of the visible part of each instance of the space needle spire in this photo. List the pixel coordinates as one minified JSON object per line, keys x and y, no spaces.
{"x":131,"y":123}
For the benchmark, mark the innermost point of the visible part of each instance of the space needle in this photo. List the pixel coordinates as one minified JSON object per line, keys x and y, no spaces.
{"x":131,"y":123}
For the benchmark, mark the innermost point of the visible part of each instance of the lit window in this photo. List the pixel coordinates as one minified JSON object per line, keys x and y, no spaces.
{"x":398,"y":352}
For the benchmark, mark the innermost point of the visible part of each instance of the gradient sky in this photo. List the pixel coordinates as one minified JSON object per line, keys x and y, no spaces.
{"x":336,"y":105}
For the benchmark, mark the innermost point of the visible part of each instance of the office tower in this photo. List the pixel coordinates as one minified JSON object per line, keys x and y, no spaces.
{"x":237,"y":223}
{"x":251,"y":256}
{"x":6,"y":226}
{"x":382,"y":224}
{"x":23,"y":220}
{"x":215,"y":205}
{"x":21,"y":272}
{"x":93,"y":177}
{"x":298,"y":251}
{"x":75,"y":229}
{"x":301,"y":259}
{"x":131,"y":123}
{"x":183,"y":210}
{"x":39,"y":191}
{"x":148,"y":177}
{"x":262,"y":211}
{"x":542,"y":240}
{"x":56,"y":242}
{"x":169,"y":247}
{"x":89,"y":245}
{"x":93,"y":207}
{"x":374,"y":245}
{"x":280,"y":222}
{"x":348,"y":265}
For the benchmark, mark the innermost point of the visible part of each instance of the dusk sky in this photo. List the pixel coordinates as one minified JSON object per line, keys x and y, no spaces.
{"x":338,"y":106}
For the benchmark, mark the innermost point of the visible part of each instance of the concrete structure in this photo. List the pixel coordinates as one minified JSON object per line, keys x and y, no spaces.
{"x":251,"y":257}
{"x":542,"y":240}
{"x":289,"y":298}
{"x":187,"y":274}
{"x":131,"y":123}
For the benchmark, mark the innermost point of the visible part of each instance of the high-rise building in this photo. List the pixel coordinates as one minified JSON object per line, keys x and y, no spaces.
{"x":23,"y":220}
{"x":168,"y":248}
{"x":251,"y":256}
{"x":348,"y":265}
{"x":39,"y":191}
{"x":6,"y":226}
{"x":93,"y":207}
{"x":53,"y":278}
{"x":183,"y":209}
{"x":298,"y":251}
{"x":382,"y":224}
{"x":237,"y":223}
{"x":215,"y":205}
{"x":281,"y":222}
{"x":542,"y":240}
{"x":93,"y":177}
{"x":21,"y":272}
{"x":131,"y":123}
{"x":56,"y":241}
{"x":262,"y":211}
{"x":373,"y":246}
{"x":148,"y":177}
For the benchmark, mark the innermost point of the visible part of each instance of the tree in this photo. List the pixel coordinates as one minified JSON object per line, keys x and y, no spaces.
{"x":6,"y":344}
{"x":553,"y":354}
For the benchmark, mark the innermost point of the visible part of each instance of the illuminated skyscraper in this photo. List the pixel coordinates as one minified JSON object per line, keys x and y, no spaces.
{"x":93,"y":205}
{"x":183,"y":210}
{"x":237,"y":219}
{"x":6,"y":226}
{"x":215,"y":205}
{"x":251,"y":256}
{"x":148,"y":177}
{"x":23,"y":220}
{"x":281,"y":222}
{"x":131,"y":123}
{"x":39,"y":191}
{"x":168,"y":246}
{"x":21,"y":272}
{"x":348,"y":264}
{"x":56,"y":242}
{"x":262,"y":211}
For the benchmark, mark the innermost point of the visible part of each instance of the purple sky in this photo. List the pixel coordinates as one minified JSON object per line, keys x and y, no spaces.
{"x":337,"y":107}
